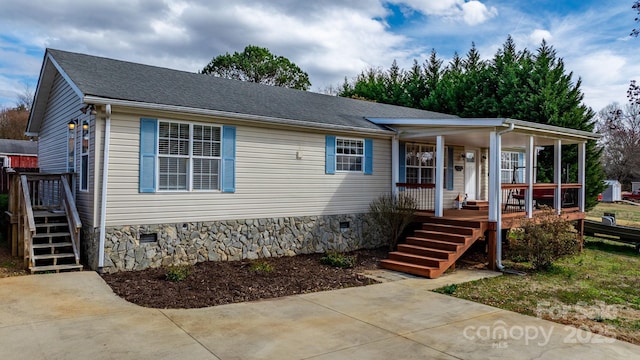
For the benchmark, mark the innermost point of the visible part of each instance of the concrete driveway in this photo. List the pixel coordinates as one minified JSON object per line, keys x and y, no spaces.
{"x":76,"y":316}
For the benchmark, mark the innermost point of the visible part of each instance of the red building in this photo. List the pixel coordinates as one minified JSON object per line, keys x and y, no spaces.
{"x":16,"y":154}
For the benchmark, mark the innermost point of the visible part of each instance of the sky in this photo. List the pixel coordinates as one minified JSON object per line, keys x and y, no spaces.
{"x":329,"y":39}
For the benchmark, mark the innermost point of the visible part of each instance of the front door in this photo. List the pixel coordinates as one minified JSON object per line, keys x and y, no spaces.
{"x":470,"y":173}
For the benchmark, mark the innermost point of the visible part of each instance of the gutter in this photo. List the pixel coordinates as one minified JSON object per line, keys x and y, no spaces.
{"x":105,"y":177}
{"x":247,"y":118}
{"x":499,"y":198}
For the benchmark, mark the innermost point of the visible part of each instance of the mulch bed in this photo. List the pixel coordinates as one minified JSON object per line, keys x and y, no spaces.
{"x":217,"y":283}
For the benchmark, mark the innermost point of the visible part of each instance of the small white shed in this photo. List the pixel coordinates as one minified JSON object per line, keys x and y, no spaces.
{"x":613,"y":192}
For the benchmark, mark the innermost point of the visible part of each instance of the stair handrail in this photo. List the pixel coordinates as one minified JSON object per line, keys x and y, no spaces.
{"x":29,"y":222}
{"x":73,"y":218}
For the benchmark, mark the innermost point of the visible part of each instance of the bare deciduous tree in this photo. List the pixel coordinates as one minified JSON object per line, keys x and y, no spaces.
{"x":620,"y":127}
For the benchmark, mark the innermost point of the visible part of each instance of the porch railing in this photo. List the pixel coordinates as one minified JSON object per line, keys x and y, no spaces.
{"x":39,"y":192}
{"x":514,"y":196}
{"x":423,"y":194}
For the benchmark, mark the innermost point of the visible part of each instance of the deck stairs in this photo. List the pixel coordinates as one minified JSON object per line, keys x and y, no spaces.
{"x":53,"y":248}
{"x":435,"y":247}
{"x":476,"y":205}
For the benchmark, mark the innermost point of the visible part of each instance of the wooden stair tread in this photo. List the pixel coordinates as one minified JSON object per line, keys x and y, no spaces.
{"x":405,"y":267}
{"x":47,"y":213}
{"x":55,"y":268}
{"x":449,"y":228}
{"x":55,"y":234}
{"x":54,"y":256}
{"x":50,"y":245}
{"x":49,"y":225}
{"x":418,"y":247}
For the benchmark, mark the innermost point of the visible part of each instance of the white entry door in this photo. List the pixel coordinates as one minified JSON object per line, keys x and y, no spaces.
{"x":470,"y":173}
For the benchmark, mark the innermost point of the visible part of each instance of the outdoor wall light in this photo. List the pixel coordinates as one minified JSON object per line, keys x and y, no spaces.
{"x":72,"y":124}
{"x":90,"y":108}
{"x":85,"y":125}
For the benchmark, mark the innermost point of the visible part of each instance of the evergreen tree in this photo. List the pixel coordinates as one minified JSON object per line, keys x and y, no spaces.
{"x":514,"y":84}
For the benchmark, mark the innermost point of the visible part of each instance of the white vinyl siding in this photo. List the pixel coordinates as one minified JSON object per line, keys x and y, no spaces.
{"x":279,"y":173}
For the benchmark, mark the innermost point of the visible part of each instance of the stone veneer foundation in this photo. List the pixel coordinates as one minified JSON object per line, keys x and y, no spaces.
{"x":192,"y":242}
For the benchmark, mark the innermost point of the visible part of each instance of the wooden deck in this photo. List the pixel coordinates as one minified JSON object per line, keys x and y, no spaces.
{"x":436,"y":243}
{"x":509,"y":220}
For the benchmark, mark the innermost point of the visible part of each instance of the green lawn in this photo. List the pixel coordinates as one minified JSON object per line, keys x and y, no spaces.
{"x":626,"y":214}
{"x":598,"y":289}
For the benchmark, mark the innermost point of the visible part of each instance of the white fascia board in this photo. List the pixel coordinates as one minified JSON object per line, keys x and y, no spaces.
{"x":473,"y":122}
{"x":236,"y":116}
{"x":553,"y":131}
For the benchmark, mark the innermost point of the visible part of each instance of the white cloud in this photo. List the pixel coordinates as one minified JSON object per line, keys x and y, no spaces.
{"x":475,"y":12}
{"x":538,"y":35}
{"x":471,"y":12}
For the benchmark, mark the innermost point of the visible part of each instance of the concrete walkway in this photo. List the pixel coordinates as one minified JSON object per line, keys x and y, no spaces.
{"x":76,"y":316}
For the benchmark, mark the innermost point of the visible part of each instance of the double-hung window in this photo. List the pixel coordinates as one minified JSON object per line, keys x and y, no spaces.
{"x":512,"y":167}
{"x":183,"y":156}
{"x":188,"y":156}
{"x":348,"y":155}
{"x":421,"y":163}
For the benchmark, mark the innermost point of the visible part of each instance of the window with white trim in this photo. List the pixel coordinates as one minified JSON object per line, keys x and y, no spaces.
{"x":421,"y":163}
{"x":188,"y":156}
{"x":349,"y":154}
{"x":84,"y":157}
{"x":511,"y":167}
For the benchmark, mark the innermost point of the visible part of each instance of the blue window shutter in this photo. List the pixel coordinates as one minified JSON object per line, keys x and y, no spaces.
{"x":402,"y":163}
{"x":148,"y":153}
{"x":330,"y":155}
{"x":450,"y":168}
{"x":229,"y":159}
{"x":368,"y":156}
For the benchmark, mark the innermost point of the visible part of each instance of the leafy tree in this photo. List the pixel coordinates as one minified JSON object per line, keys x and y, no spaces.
{"x":257,"y":64}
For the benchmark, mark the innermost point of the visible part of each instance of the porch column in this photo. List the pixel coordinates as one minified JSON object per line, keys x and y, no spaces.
{"x":529,"y":166}
{"x":439,"y":176}
{"x":495,"y":190}
{"x":395,"y":172}
{"x":557,"y":175}
{"x":494,"y":177}
{"x":581,"y":174}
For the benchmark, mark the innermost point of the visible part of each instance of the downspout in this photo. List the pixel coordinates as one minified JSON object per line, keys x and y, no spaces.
{"x":499,"y":199}
{"x":105,"y":176}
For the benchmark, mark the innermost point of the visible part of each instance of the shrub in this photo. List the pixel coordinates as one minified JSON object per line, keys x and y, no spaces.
{"x":545,"y":238}
{"x":449,"y":289}
{"x":340,"y":260}
{"x":261,"y":266}
{"x":390,"y":215}
{"x":177,"y":273}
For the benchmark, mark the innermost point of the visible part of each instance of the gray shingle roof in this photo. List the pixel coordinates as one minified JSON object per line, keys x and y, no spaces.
{"x":22,"y":147}
{"x":115,"y":79}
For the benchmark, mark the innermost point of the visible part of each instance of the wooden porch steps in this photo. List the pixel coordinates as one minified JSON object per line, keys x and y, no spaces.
{"x":435,"y":247}
{"x":476,"y":205}
{"x":53,"y":249}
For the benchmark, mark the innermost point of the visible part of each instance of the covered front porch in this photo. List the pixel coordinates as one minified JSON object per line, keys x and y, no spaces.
{"x":484,"y":174}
